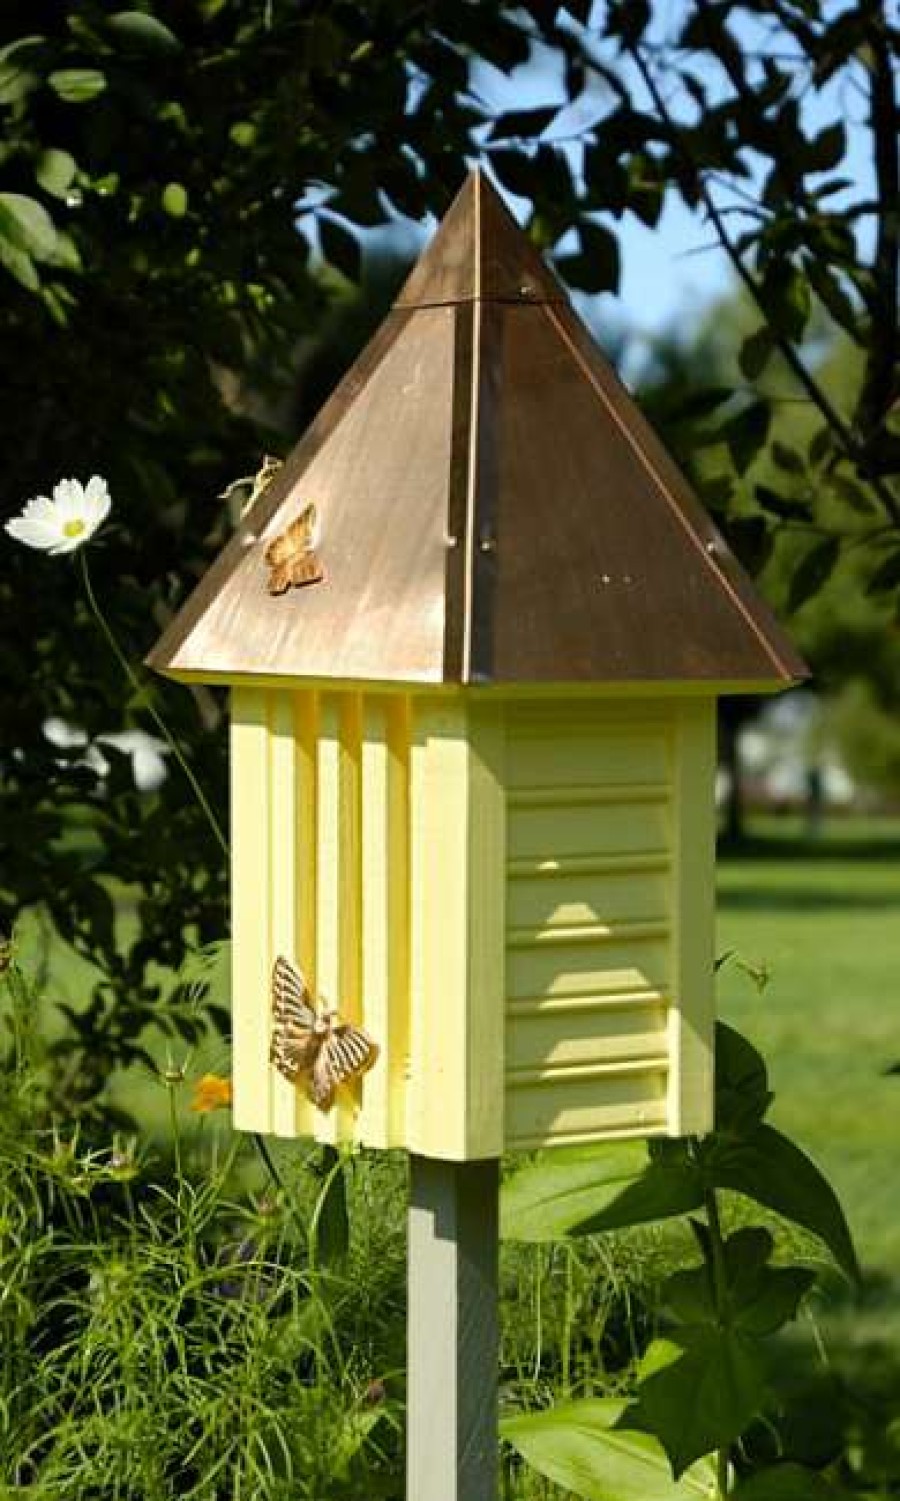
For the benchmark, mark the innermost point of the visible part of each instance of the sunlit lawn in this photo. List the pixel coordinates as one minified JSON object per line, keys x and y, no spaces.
{"x":824,"y":919}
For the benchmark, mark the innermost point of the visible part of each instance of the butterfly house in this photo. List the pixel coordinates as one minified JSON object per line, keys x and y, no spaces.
{"x":474,"y":630}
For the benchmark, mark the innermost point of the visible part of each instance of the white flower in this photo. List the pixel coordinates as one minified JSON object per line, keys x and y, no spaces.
{"x":65,"y":522}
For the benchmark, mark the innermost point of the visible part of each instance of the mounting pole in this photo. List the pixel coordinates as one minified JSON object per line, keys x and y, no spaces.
{"x":452,"y":1331}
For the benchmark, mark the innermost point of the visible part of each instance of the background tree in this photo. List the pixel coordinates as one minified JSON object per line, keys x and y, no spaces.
{"x":154,"y":163}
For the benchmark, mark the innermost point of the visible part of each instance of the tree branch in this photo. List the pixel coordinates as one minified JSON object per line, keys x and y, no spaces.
{"x":879,"y":385}
{"x":842,"y":431}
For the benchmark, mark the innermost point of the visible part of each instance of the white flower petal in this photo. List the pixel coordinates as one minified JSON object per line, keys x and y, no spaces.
{"x":68,"y":544}
{"x":39,"y":534}
{"x":97,"y":500}
{"x":69,"y":498}
{"x":96,"y":488}
{"x":40,"y":509}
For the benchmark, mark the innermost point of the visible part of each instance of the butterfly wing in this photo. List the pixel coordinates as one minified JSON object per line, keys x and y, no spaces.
{"x":295,"y":1042}
{"x":306,"y":570}
{"x":291,"y":555}
{"x":346,"y":1053}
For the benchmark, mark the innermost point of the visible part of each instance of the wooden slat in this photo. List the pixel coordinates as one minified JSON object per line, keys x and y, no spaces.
{"x":692,"y":1018}
{"x":328,"y":883}
{"x":554,"y":833}
{"x":588,"y":795}
{"x":587,"y":1107}
{"x":592,"y":864}
{"x":579,"y":969}
{"x":589,"y":932}
{"x":551,"y":1005}
{"x":586,"y":1037}
{"x":457,"y":888}
{"x":559,"y":901}
{"x":486,"y":924}
{"x":249,"y":906}
{"x":384,"y":898}
{"x":284,"y":898}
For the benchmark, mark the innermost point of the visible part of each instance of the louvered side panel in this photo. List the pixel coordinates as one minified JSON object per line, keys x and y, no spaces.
{"x":384,"y":917}
{"x":250,"y":874}
{"x":589,"y":963}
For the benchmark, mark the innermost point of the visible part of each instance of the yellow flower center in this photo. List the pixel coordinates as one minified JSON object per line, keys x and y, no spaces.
{"x":73,"y":528}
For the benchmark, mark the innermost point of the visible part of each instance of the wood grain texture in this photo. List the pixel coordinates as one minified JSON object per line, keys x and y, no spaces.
{"x":452,"y":1331}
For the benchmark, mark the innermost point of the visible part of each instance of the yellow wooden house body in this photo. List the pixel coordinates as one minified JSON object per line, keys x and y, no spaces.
{"x":473,"y":770}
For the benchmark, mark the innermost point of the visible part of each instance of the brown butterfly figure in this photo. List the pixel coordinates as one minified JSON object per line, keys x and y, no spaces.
{"x":309,"y":1043}
{"x":292,"y":555}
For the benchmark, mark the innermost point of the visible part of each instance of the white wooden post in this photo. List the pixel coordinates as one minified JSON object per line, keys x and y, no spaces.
{"x":452,"y":1331}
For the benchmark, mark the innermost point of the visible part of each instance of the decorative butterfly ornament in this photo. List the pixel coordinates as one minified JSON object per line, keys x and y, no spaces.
{"x":292,"y":555}
{"x":309,"y":1043}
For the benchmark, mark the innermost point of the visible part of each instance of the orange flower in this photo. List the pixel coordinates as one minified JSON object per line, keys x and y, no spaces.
{"x":212,"y":1092}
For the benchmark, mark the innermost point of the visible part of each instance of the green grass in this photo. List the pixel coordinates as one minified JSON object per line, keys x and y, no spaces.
{"x":822,"y":918}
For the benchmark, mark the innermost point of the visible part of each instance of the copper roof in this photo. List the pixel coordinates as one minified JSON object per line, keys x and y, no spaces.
{"x":494,"y":509}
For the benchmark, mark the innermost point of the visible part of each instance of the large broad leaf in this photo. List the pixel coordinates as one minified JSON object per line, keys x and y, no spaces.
{"x":770,"y":1169}
{"x":577,"y":1446}
{"x":813,"y":570}
{"x":699,"y":1390}
{"x":788,"y":1482}
{"x":138,"y":32}
{"x":27,"y":226}
{"x":591,"y":1189}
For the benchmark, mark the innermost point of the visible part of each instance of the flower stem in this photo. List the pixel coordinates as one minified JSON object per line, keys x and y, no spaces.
{"x":157,"y":718}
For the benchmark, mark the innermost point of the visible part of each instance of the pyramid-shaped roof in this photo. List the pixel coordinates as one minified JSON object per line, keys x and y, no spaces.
{"x":493,"y":509}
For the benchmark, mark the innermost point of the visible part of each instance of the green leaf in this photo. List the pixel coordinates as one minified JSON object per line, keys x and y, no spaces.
{"x":597,"y":268}
{"x":699,"y":1390}
{"x":340,"y":248}
{"x":527,"y":123}
{"x":578,"y":1446}
{"x":773,"y":1171}
{"x":742,"y":1082}
{"x":77,"y":85}
{"x":20,"y":265}
{"x":787,"y":458}
{"x":812,"y":571}
{"x":55,"y":170}
{"x":772,"y":1299}
{"x":755,"y":352}
{"x":886,"y":576}
{"x":691,"y":405}
{"x":27,"y":226}
{"x":17,"y":76}
{"x":175,"y":200}
{"x":553,"y":1196}
{"x":785,"y":506}
{"x":827,"y":149}
{"x":761,"y":1298}
{"x":788,"y":1482}
{"x":746,"y":432}
{"x":142,"y":33}
{"x":820,"y":445}
{"x":852,"y":494}
{"x":751,"y":539}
